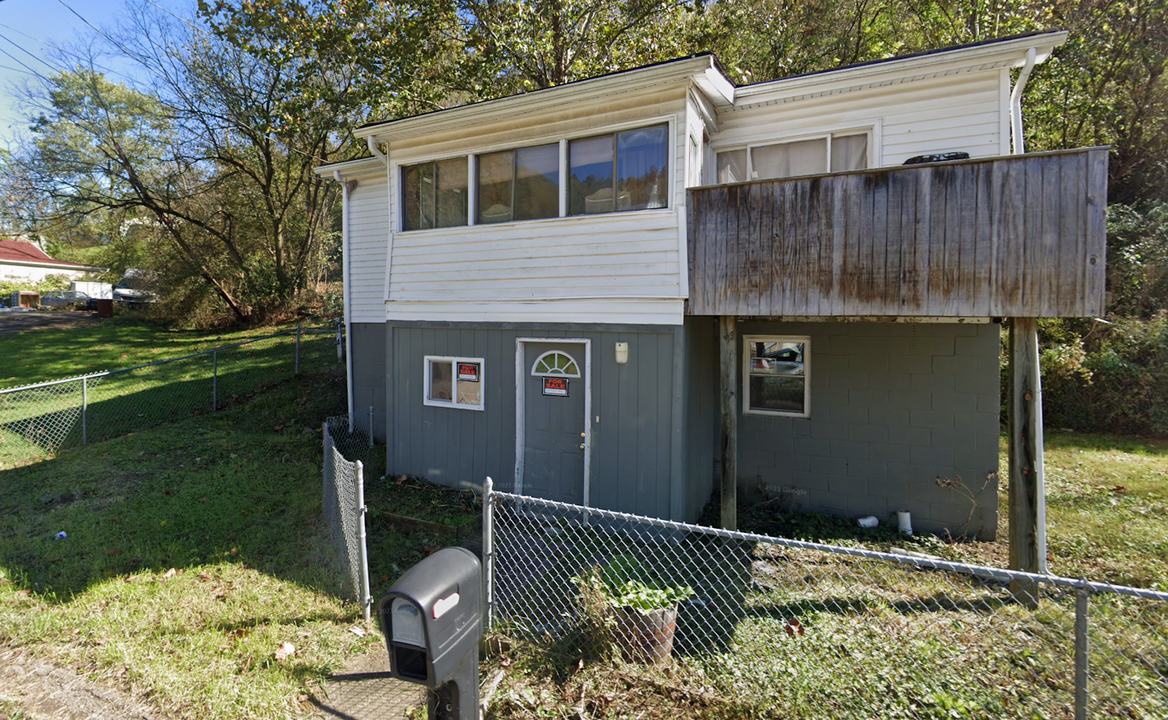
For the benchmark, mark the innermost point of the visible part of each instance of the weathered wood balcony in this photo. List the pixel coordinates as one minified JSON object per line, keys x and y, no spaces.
{"x":1010,"y":236}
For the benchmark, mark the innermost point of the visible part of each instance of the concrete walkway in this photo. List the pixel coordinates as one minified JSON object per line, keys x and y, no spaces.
{"x":364,"y":691}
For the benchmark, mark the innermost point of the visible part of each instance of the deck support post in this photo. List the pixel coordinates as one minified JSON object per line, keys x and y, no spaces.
{"x":728,"y":356}
{"x":1027,"y":502}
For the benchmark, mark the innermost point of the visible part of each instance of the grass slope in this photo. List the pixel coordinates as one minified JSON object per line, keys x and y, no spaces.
{"x":123,"y":341}
{"x":231,"y":503}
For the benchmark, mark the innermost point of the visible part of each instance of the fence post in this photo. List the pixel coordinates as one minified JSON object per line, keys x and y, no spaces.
{"x":1082,"y":658}
{"x":215,"y":382}
{"x":297,"y":372}
{"x":370,"y":426}
{"x":366,"y":598}
{"x":489,"y":550}
{"x":84,"y":410}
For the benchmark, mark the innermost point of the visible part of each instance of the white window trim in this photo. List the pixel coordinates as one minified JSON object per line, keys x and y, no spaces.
{"x":453,"y":403}
{"x":872,"y":130}
{"x":670,"y":121}
{"x":746,"y":341}
{"x":535,"y":364}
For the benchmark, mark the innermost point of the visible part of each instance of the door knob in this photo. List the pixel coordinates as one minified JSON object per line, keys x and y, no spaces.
{"x":581,"y":446}
{"x":583,"y":435}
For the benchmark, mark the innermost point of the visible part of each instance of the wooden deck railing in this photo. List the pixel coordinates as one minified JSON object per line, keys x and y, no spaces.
{"x":1021,"y":236}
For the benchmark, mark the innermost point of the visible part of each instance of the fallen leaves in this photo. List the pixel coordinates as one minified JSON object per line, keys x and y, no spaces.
{"x":285,"y":651}
{"x":794,"y":627}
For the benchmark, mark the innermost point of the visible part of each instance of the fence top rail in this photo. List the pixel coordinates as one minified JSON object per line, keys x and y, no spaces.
{"x":981,"y":571}
{"x":118,"y":371}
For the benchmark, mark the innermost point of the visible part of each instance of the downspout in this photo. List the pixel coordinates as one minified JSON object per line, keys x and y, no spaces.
{"x":1020,"y":148}
{"x":1016,"y":101}
{"x":372,"y":145}
{"x":347,"y":291}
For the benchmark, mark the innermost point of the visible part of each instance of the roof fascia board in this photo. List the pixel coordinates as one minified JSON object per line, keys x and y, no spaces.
{"x":1008,"y":53}
{"x":679,"y":72}
{"x":360,"y":166}
{"x":60,"y":264}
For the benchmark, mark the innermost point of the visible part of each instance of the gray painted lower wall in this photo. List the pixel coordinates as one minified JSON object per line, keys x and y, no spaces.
{"x":631,"y":423}
{"x":369,"y":376}
{"x":894,"y":407}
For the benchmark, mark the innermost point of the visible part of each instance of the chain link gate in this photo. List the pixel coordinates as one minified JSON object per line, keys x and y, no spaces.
{"x":810,"y":630}
{"x":344,"y":508}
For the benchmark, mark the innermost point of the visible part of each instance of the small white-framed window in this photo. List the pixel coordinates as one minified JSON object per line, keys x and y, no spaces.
{"x":776,"y":375}
{"x":454,"y":382}
{"x":814,"y":155}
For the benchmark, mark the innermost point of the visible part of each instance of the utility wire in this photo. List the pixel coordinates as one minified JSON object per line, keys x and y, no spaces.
{"x":23,"y":64}
{"x":18,"y":70}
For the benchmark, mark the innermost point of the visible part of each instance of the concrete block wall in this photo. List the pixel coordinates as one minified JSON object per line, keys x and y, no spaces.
{"x":894,"y":407}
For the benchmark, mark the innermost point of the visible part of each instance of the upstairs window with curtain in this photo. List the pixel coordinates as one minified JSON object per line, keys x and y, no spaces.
{"x":619,"y":172}
{"x":434,"y":194}
{"x":812,"y":156}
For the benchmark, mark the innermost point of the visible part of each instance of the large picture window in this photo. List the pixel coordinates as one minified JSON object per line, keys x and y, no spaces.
{"x":521,"y":184}
{"x":434,"y":194}
{"x":623,"y":171}
{"x":454,"y":382}
{"x":838,"y":152}
{"x":775,"y":375}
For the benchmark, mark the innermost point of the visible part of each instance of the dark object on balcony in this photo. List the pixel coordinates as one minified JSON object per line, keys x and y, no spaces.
{"x":937,"y":157}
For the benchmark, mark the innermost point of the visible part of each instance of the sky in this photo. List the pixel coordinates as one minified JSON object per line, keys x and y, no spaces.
{"x":28,"y":28}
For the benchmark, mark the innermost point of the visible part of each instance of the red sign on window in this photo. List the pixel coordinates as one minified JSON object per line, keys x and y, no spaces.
{"x":468,"y":372}
{"x":557,"y":386}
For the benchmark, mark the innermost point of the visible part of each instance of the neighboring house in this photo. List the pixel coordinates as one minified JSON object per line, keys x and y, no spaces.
{"x":23,"y":261}
{"x":563,"y":289}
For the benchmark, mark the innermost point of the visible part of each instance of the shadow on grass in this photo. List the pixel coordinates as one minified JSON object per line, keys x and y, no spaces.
{"x":240,"y":486}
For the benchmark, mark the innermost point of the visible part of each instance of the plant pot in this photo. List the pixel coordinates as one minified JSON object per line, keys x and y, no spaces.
{"x":645,"y":636}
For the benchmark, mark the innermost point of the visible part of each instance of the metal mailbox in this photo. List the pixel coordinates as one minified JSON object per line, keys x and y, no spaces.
{"x":432,"y":618}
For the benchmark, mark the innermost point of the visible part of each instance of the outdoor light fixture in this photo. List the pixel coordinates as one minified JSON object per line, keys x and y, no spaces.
{"x":622,"y":353}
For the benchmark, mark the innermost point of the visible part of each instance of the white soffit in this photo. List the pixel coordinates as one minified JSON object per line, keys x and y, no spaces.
{"x":352,"y":168}
{"x":991,"y":55}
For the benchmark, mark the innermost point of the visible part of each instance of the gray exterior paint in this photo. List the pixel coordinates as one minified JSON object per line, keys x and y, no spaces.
{"x":701,"y":411}
{"x":632,"y":445}
{"x":369,"y":376}
{"x":893,"y":407}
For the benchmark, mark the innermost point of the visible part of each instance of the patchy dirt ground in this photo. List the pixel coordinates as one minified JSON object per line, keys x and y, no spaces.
{"x":18,"y":321}
{"x":34,"y":689}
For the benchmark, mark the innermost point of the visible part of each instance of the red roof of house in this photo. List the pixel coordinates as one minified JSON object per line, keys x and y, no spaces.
{"x":27,"y":252}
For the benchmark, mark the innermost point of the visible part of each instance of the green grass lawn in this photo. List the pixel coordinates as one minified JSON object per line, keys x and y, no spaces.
{"x":193,"y":551}
{"x":123,"y":341}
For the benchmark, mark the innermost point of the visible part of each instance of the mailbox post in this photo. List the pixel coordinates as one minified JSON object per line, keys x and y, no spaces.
{"x":432,"y":618}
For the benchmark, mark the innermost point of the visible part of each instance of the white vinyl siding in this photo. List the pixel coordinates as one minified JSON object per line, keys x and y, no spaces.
{"x":954,"y":112}
{"x":623,"y":267}
{"x":368,"y":239}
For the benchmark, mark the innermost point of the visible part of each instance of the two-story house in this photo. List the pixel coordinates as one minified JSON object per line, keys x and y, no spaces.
{"x":618,"y":291}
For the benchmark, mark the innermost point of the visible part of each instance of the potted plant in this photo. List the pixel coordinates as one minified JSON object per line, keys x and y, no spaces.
{"x":638,"y":613}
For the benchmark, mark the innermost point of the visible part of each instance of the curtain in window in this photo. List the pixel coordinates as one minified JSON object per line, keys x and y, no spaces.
{"x":804,"y":157}
{"x":849,"y":152}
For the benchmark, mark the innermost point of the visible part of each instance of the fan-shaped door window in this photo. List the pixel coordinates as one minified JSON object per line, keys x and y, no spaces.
{"x":555,"y":363}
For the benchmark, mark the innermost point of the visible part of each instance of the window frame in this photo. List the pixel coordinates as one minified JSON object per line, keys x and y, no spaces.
{"x":427,"y":360}
{"x":746,"y":407}
{"x":402,"y":189}
{"x":872,"y":130}
{"x":399,"y":165}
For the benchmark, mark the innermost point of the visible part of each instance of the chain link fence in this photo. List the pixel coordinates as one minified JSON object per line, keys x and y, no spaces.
{"x":344,"y":505}
{"x":807,"y":630}
{"x":43,"y":419}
